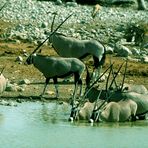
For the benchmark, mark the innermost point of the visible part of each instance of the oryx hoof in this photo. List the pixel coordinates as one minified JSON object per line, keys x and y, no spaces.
{"x":91,"y":121}
{"x":70,"y":119}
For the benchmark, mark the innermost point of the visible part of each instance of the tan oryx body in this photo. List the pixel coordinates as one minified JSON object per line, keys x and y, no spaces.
{"x":137,"y":93}
{"x":57,"y":67}
{"x":139,"y":98}
{"x":3,"y":83}
{"x":118,"y":111}
{"x":84,"y":111}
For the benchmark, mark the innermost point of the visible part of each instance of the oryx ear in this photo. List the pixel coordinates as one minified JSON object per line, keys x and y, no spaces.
{"x":55,"y":13}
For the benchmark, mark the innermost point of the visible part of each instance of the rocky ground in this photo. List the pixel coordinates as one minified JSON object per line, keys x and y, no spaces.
{"x":26,"y":23}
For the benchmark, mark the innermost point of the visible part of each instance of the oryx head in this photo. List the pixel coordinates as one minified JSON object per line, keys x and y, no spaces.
{"x":74,"y":113}
{"x":95,"y":116}
{"x":29,"y":60}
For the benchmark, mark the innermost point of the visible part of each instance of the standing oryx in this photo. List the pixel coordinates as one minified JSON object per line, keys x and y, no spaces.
{"x":72,"y":47}
{"x":57,"y":67}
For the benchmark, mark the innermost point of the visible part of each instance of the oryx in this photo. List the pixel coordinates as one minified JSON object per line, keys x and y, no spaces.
{"x":73,"y":47}
{"x":123,"y":110}
{"x":84,"y":108}
{"x":57,"y":67}
{"x":136,"y":93}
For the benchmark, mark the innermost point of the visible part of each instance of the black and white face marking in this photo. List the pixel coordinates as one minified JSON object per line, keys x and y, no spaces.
{"x":73,"y":114}
{"x":30,"y":59}
{"x":95,"y":116}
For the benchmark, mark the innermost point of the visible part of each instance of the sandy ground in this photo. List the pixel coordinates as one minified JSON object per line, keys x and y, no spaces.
{"x":137,"y":73}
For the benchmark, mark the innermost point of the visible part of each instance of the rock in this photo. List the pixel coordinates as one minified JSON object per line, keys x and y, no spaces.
{"x":109,"y":50}
{"x":135,"y":52}
{"x":34,"y":13}
{"x":14,"y":87}
{"x":3,"y":102}
{"x":122,"y":1}
{"x":24,"y":81}
{"x":19,"y":59}
{"x":50,"y":93}
{"x":71,"y":4}
{"x":7,"y":103}
{"x":144,"y":59}
{"x":44,"y":25}
{"x":58,"y":2}
{"x":11,"y":87}
{"x":123,"y":51}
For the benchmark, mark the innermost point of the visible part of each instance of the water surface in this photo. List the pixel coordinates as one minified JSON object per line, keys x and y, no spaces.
{"x":34,"y":125}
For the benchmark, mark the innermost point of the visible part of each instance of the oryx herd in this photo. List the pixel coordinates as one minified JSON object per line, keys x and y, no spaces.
{"x":121,"y":103}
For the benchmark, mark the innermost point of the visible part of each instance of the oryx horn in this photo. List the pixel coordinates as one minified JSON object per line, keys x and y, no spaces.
{"x":51,"y":34}
{"x":108,"y":77}
{"x":86,"y":92}
{"x":114,"y":77}
{"x":124,"y":75}
{"x":55,"y":13}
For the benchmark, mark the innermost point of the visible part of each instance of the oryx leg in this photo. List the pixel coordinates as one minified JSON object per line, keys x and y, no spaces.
{"x":46,"y":83}
{"x":80,"y":84}
{"x":133,"y":117}
{"x":76,"y":81}
{"x":56,"y":86}
{"x":97,"y":69}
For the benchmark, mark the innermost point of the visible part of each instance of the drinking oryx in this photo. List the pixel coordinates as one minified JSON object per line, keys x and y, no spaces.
{"x":136,"y":93}
{"x":57,"y":67}
{"x":84,"y":109}
{"x":123,"y":110}
{"x":72,"y":47}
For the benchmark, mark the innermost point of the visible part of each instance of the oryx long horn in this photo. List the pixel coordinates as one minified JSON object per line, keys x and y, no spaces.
{"x":124,"y":76}
{"x":108,"y":78}
{"x":86,"y":92}
{"x":55,"y":13}
{"x":112,"y":70}
{"x":114,"y":77}
{"x":97,"y":99}
{"x":61,"y":24}
{"x":2,"y":69}
{"x":51,"y":34}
